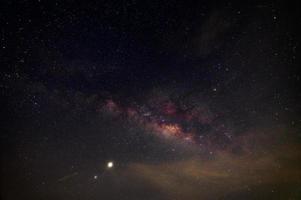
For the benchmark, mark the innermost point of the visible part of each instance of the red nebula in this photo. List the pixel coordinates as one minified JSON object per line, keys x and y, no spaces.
{"x":169,"y":108}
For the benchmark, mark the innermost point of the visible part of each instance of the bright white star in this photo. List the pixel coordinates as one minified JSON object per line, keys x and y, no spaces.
{"x":110,"y":164}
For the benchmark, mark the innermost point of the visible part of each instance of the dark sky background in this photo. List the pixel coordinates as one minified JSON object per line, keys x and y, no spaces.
{"x":188,"y":99}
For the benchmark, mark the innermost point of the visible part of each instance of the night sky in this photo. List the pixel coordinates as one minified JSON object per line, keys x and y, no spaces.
{"x":150,"y":100}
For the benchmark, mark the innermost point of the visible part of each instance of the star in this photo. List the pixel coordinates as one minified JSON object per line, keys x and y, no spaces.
{"x":110,"y":164}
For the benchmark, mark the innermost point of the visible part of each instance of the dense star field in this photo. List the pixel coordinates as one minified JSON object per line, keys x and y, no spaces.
{"x":161,"y":100}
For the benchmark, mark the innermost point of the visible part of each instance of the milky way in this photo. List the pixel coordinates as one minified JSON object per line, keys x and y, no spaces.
{"x":167,"y":120}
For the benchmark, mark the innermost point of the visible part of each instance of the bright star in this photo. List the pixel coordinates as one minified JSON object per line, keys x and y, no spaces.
{"x":110,"y":164}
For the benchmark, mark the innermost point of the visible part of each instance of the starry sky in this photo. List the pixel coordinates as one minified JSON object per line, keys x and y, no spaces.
{"x":154,"y":100}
